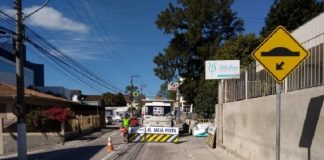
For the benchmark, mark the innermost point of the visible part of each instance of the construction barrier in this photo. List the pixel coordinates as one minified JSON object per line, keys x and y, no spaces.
{"x":211,"y":139}
{"x":200,"y":130}
{"x":204,"y":121}
{"x":153,"y":134}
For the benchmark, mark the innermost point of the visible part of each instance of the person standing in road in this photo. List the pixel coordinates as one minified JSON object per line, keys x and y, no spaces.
{"x":124,"y":127}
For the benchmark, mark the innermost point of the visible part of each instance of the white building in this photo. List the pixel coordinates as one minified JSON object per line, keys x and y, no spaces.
{"x":184,"y":106}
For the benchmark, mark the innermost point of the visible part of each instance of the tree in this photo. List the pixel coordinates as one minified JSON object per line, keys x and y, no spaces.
{"x":199,"y":28}
{"x":165,"y":93}
{"x":291,"y":14}
{"x":207,"y":97}
{"x":111,"y":99}
{"x":239,"y":48}
{"x":129,"y":89}
{"x":120,"y":100}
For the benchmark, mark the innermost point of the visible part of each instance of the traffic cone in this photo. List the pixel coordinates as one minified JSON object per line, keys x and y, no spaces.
{"x":110,"y":147}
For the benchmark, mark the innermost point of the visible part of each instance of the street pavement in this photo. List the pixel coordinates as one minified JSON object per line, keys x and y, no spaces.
{"x":189,"y":148}
{"x":94,"y":147}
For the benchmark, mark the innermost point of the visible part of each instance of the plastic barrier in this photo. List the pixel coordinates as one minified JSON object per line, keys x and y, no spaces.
{"x":153,"y":134}
{"x":200,"y":130}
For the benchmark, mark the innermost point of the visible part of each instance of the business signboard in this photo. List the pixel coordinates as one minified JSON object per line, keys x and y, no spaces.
{"x":173,"y":86}
{"x":222,"y":69}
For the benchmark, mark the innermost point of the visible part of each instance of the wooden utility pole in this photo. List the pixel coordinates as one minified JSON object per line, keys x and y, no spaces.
{"x":19,"y":107}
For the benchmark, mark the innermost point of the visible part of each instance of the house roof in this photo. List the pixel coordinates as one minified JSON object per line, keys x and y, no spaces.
{"x":7,"y":90}
{"x":137,"y":99}
{"x":93,"y":98}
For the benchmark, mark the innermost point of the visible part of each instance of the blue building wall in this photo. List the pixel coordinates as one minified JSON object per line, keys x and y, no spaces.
{"x":34,"y":73}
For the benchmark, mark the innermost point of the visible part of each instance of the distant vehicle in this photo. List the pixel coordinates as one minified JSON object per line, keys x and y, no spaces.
{"x":157,"y":113}
{"x":117,"y":118}
{"x":109,"y":120}
{"x":116,"y":112}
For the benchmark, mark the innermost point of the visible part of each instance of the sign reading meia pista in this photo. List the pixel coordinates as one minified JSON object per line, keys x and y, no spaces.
{"x":222,"y":69}
{"x":155,"y":130}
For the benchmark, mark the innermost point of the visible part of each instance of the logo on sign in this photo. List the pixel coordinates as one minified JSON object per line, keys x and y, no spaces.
{"x":212,"y":67}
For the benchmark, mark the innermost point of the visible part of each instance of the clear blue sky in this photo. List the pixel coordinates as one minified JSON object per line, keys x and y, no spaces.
{"x":113,"y":39}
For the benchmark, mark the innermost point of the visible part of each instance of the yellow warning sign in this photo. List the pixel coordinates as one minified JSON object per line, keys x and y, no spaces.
{"x":280,"y":53}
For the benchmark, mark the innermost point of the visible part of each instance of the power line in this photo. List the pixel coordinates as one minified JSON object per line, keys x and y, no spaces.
{"x":68,"y":66}
{"x":107,"y":35}
{"x":77,"y":65}
{"x":74,"y":61}
{"x":113,"y":56}
{"x":69,"y":74}
{"x":70,"y":62}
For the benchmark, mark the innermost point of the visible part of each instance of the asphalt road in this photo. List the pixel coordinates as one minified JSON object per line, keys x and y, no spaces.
{"x":189,"y":148}
{"x":94,"y":147}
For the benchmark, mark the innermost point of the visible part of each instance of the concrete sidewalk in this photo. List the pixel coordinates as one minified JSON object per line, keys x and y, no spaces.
{"x":71,"y":143}
{"x":197,"y":148}
{"x":189,"y":148}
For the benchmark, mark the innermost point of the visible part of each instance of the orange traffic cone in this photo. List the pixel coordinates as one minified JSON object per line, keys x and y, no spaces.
{"x":110,"y":147}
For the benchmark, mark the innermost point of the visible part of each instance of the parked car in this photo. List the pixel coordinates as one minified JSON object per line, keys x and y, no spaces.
{"x":109,"y":120}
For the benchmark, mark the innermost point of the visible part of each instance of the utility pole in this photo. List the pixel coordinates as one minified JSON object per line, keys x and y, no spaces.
{"x":141,"y":93}
{"x":19,"y":108}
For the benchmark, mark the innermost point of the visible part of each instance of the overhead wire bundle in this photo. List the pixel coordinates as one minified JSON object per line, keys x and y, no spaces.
{"x":65,"y":63}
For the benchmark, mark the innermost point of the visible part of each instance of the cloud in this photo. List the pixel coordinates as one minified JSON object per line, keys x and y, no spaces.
{"x":80,"y":53}
{"x":50,"y":18}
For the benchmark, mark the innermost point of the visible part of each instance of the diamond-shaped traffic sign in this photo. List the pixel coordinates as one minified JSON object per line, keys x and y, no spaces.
{"x":280,"y":53}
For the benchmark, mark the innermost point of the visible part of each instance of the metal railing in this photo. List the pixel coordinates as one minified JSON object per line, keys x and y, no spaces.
{"x":256,"y":82}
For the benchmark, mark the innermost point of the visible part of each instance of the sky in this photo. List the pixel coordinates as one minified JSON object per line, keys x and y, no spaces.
{"x":116,"y":40}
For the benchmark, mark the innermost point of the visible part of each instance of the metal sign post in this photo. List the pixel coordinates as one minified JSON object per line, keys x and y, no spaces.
{"x":221,"y":70}
{"x":280,"y":54}
{"x":278,"y":114}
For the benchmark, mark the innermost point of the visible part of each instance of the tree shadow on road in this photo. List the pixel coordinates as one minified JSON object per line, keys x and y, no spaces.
{"x":80,"y":153}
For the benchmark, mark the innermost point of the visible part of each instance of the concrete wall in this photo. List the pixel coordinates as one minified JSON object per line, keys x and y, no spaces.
{"x":8,"y":142}
{"x":250,"y":126}
{"x":88,"y":124}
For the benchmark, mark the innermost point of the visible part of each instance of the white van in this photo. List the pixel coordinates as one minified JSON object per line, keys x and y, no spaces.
{"x":116,"y":113}
{"x":157,"y":113}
